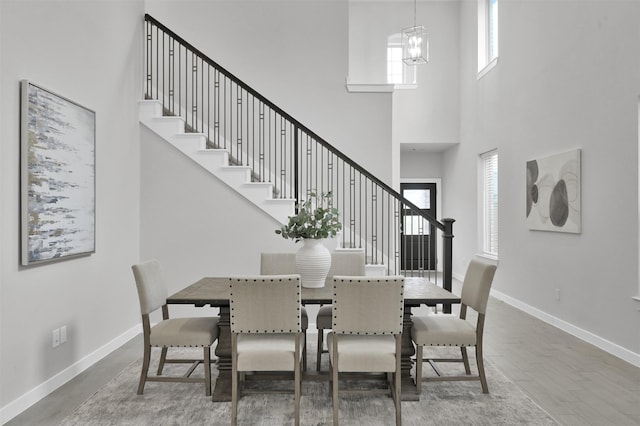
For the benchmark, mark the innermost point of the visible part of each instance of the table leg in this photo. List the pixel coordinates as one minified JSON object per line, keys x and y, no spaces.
{"x":222,"y":387}
{"x":409,"y":390}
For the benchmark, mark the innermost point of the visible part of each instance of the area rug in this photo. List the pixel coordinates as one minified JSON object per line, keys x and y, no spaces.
{"x":182,"y":404}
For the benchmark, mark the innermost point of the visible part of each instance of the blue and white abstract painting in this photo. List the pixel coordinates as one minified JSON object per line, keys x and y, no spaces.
{"x":58,"y":177}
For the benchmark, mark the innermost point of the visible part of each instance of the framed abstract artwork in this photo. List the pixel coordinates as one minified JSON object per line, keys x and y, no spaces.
{"x":553,"y":193}
{"x":58,"y":138}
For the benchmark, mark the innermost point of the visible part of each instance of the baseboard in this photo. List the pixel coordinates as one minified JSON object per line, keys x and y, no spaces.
{"x":25,"y":401}
{"x":607,"y":346}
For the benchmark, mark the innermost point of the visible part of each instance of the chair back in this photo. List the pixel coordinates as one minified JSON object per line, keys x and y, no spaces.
{"x":477,"y":284}
{"x":342,"y":263}
{"x":152,"y":289}
{"x":277,"y":263}
{"x":265,"y":304}
{"x":368,"y":305}
{"x":347,"y":263}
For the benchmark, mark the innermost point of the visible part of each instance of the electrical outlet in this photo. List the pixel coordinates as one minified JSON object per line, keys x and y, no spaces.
{"x":557,"y":294}
{"x":56,"y":337}
{"x":63,"y":334}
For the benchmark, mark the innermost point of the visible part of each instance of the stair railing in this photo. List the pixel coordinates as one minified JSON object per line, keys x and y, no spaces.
{"x":392,"y":231}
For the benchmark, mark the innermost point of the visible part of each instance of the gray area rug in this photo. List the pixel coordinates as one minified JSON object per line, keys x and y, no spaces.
{"x":445,"y":403}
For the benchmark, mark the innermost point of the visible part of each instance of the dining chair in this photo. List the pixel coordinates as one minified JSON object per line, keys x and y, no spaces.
{"x":170,"y":332}
{"x":366,"y":333}
{"x":266,"y":333}
{"x":285,"y":264}
{"x":342,"y":263}
{"x":457,"y":331}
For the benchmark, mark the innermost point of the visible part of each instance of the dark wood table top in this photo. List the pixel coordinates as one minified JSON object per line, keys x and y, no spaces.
{"x":214,"y":291}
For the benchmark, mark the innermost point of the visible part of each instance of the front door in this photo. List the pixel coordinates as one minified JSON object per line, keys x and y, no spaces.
{"x":418,"y":238}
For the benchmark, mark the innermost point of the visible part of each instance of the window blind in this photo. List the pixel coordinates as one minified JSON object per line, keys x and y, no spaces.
{"x":490,"y":202}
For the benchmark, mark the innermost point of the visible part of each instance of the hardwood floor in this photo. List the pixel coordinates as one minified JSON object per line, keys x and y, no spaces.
{"x":575,"y":382}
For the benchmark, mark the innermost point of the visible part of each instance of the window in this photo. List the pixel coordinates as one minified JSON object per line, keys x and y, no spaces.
{"x":489,"y":203}
{"x":487,"y":35}
{"x":397,"y":71}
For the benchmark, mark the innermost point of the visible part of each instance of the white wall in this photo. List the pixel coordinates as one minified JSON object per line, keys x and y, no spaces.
{"x":295,"y":54}
{"x":420,"y":164}
{"x":566,"y":78}
{"x":95,"y":61}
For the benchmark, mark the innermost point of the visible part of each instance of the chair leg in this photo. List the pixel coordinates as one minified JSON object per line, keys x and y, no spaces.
{"x":207,"y":370}
{"x":145,"y":368}
{"x":334,"y":377}
{"x":398,"y":386}
{"x":234,"y":382}
{"x":163,"y":358}
{"x":319,"y":349}
{"x":297,"y":377}
{"x":419,"y":368}
{"x":304,"y":352}
{"x":465,"y":359}
{"x":483,"y":378}
{"x":398,"y":398}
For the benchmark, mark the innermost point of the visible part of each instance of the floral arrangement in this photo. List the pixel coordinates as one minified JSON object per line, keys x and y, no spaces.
{"x":316,"y":219}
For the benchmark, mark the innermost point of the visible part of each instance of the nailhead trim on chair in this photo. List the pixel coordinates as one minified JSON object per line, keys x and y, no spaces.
{"x":380,"y":280}
{"x":180,"y":346}
{"x":232,"y":316}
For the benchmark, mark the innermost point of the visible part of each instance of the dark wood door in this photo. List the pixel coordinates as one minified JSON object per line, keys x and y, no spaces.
{"x":418,"y":239}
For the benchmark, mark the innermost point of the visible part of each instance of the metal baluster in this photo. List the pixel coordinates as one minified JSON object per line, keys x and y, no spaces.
{"x":239,"y":124}
{"x":208,"y":105}
{"x":261,"y":141}
{"x":374,"y":223}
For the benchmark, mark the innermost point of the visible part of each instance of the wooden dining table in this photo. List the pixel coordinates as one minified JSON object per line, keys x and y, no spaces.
{"x":214,"y":292}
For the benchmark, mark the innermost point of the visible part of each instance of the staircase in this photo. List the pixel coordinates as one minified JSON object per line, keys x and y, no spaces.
{"x":274,"y":161}
{"x":216,"y":161}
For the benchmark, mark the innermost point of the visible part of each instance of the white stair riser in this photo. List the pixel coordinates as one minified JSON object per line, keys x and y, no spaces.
{"x":234,"y":176}
{"x":188,"y":143}
{"x":375,"y":270}
{"x":258,"y":191}
{"x":149,"y":110}
{"x":282,"y":208}
{"x":212,"y":159}
{"x":167,"y":126}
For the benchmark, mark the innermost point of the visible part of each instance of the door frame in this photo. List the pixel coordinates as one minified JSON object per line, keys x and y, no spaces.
{"x":438,"y":183}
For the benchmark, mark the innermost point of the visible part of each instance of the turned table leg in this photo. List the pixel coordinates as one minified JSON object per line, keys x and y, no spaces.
{"x":409,"y":390}
{"x":222,"y":387}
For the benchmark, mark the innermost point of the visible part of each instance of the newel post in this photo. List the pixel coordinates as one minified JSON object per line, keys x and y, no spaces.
{"x":447,"y":248}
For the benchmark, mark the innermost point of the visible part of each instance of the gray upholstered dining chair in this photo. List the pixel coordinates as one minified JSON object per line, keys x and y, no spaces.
{"x":456,"y":331}
{"x":266,"y":333}
{"x":285,"y":264}
{"x":366,"y":333}
{"x":170,"y":332}
{"x":342,"y":263}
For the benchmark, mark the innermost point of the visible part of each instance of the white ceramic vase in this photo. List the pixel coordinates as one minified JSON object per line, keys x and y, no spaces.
{"x":313,"y":261}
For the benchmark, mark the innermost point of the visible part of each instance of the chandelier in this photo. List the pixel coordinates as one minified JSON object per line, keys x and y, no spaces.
{"x":415,"y":43}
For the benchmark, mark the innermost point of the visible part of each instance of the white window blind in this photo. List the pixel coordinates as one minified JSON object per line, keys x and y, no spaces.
{"x":489,"y":163}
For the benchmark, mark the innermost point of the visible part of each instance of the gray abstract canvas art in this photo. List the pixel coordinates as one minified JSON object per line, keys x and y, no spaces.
{"x":58,"y":176}
{"x":553,"y":193}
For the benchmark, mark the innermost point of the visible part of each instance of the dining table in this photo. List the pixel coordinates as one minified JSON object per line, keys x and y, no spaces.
{"x":214,"y":292}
